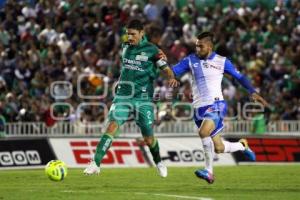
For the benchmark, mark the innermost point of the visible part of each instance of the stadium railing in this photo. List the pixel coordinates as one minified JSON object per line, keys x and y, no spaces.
{"x":130,"y":129}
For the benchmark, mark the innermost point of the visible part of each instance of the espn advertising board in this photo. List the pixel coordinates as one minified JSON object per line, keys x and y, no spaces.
{"x":25,"y":152}
{"x":188,"y":152}
{"x":272,"y":150}
{"x":77,"y":152}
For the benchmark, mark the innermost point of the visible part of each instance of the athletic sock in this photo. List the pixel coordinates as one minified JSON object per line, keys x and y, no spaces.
{"x":208,"y":147}
{"x":154,"y":149}
{"x":233,"y":146}
{"x":102,"y":147}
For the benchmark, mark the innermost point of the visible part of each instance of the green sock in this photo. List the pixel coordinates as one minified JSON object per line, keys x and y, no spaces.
{"x":102,"y":147}
{"x":154,"y":149}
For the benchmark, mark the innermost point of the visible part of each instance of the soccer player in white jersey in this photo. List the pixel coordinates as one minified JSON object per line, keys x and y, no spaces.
{"x":207,"y":69}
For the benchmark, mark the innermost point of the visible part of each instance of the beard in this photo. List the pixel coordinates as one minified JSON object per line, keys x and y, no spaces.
{"x":203,"y":55}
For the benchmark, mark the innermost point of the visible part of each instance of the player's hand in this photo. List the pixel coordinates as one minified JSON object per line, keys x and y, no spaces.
{"x":162,"y":55}
{"x":257,"y":98}
{"x":173,"y":83}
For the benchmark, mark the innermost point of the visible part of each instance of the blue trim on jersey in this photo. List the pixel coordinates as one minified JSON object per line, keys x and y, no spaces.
{"x":215,"y":112}
{"x":196,"y":66}
{"x":182,"y":67}
{"x":246,"y":83}
{"x":230,"y":69}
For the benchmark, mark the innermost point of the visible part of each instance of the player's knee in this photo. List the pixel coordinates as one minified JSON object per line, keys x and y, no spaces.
{"x":203,"y":133}
{"x":148,"y":141}
{"x":147,"y":132}
{"x":219,"y":148}
{"x":112,"y":128}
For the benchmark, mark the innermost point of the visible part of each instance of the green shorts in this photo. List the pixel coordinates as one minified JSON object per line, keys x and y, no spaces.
{"x":141,"y":111}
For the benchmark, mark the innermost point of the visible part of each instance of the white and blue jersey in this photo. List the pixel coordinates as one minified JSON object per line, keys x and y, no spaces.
{"x":207,"y":75}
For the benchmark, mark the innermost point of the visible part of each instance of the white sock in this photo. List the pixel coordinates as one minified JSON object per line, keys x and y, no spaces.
{"x":208,"y":147}
{"x":232,"y":146}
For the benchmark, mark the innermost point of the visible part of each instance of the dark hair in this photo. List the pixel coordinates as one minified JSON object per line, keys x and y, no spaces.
{"x":206,"y":34}
{"x":135,"y":24}
{"x":153,"y":30}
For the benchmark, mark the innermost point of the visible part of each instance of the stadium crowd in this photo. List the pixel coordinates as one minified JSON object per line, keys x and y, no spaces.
{"x":73,"y":41}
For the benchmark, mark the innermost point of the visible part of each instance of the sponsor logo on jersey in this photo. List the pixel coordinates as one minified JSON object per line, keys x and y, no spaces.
{"x":208,"y":65}
{"x":195,"y":65}
{"x":132,"y":67}
{"x":141,"y":57}
{"x":215,"y":67}
{"x":132,"y":62}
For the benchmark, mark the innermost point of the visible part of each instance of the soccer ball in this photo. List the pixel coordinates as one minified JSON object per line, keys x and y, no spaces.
{"x":56,"y":170}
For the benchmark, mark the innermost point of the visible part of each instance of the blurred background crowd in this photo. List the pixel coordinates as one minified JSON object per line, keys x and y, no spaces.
{"x":43,"y":41}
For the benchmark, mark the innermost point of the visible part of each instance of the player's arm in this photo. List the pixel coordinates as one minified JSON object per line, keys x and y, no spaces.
{"x":181,"y":67}
{"x":170,"y":76}
{"x":162,"y":64}
{"x":243,"y":80}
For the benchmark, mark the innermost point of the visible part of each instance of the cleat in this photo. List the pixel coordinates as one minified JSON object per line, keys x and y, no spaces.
{"x":248,"y":152}
{"x":162,"y":169}
{"x":206,"y":175}
{"x":92,"y":169}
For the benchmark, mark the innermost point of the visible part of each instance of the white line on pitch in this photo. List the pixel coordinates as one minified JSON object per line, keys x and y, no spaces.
{"x":176,"y":196}
{"x":143,"y":193}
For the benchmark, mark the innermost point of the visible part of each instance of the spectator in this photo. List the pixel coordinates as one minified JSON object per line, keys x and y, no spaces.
{"x":60,"y":40}
{"x":189,"y":33}
{"x":258,"y":124}
{"x":178,"y":50}
{"x":151,"y":10}
{"x":2,"y":125}
{"x":166,"y":11}
{"x":168,"y":37}
{"x":4,"y":36}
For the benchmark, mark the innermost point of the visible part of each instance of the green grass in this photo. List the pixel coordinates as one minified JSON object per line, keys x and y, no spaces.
{"x":238,"y":182}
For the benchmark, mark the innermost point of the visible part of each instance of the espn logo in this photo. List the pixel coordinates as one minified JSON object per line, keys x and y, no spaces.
{"x":276,"y":150}
{"x":118,"y":153}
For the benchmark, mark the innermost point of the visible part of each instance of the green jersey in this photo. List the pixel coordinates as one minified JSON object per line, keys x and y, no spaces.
{"x":139,"y":70}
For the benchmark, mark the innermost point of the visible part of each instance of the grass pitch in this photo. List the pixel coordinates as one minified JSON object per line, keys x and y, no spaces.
{"x":238,"y":182}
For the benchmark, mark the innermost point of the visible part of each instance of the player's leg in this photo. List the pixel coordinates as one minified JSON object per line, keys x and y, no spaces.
{"x":118,"y":114}
{"x":102,"y":147}
{"x":152,"y":143}
{"x":209,"y":120}
{"x":207,"y":126}
{"x":145,"y":119}
{"x":205,"y":129}
{"x":105,"y":142}
{"x":223,"y":146}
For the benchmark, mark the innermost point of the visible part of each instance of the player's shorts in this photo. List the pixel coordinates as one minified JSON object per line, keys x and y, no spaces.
{"x":130,"y":109}
{"x":215,"y":112}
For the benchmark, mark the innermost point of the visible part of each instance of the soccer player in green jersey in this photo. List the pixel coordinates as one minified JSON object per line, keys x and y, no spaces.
{"x":140,"y":60}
